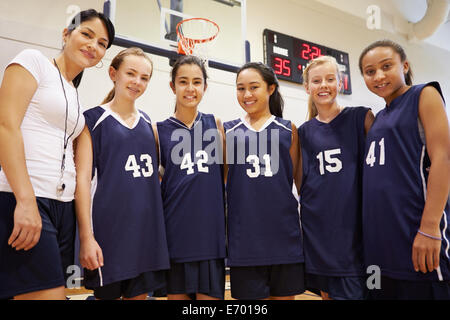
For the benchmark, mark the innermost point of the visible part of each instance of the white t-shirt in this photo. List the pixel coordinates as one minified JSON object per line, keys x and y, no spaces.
{"x":43,"y":129}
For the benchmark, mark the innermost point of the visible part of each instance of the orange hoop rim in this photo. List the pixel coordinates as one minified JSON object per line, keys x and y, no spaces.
{"x":184,"y":39}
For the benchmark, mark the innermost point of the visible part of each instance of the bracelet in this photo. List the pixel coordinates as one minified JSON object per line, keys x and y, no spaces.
{"x":429,"y":236}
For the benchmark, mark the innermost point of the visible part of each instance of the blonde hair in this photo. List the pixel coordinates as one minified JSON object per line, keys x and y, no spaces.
{"x":312,"y":109}
{"x":117,"y":61}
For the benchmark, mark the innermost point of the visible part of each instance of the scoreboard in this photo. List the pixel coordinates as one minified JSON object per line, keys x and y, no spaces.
{"x":288,"y":56}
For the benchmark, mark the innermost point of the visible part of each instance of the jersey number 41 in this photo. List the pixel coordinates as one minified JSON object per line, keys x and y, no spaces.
{"x":371,"y":159}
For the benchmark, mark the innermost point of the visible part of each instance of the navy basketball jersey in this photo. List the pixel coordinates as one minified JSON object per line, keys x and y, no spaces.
{"x":127,"y":212}
{"x":395,"y":188}
{"x":192,"y":188}
{"x":263,"y":217}
{"x":331,"y":193}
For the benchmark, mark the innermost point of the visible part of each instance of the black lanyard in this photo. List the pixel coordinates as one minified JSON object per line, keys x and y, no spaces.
{"x":61,"y":186}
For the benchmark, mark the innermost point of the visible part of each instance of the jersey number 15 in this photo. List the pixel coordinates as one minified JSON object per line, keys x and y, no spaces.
{"x":333,"y":163}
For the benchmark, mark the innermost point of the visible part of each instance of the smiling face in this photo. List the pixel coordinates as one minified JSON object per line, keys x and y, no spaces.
{"x":253,"y":93}
{"x":86,"y":44}
{"x":132,"y":77}
{"x":189,"y":86}
{"x":384,"y":73}
{"x":323,"y":84}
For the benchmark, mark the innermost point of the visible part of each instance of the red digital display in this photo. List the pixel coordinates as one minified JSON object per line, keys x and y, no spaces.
{"x":288,"y":56}
{"x":282,"y":66}
{"x":345,"y":82}
{"x":309,"y":52}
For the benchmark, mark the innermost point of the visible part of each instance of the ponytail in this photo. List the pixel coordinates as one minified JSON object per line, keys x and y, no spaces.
{"x":312,"y":109}
{"x":110,"y":96}
{"x":409,"y":77}
{"x":276,"y":103}
{"x":76,"y":81}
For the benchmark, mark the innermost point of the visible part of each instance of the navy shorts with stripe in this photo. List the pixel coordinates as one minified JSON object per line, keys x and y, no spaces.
{"x":260,"y":282}
{"x":395,"y":289}
{"x":44,"y":266}
{"x":144,"y":283}
{"x":338,"y":288}
{"x":206,"y":277}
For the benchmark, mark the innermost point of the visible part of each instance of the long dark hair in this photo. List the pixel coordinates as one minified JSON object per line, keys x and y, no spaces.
{"x":88,"y":15}
{"x":188,"y":59}
{"x":276,"y":102}
{"x":394,"y":46}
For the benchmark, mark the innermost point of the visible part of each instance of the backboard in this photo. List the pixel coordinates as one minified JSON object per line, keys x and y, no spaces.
{"x":151,"y":24}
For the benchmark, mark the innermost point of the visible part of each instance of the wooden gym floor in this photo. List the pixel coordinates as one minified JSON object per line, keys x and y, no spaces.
{"x":84,"y":294}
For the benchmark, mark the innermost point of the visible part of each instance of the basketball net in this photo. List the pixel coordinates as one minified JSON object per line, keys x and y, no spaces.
{"x":196,"y":36}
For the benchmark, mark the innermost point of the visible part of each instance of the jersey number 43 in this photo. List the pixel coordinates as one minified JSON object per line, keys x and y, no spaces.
{"x":132,"y":165}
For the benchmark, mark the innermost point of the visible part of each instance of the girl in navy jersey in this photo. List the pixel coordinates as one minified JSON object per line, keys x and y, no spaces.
{"x":118,"y":199}
{"x":406,"y":180}
{"x":191,"y":153}
{"x":332,"y":145}
{"x":265,"y":251}
{"x":41,"y":116}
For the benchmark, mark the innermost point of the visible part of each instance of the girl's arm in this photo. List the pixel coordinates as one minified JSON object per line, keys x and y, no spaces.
{"x":370,"y":118}
{"x":155,"y":133}
{"x":91,"y":256}
{"x":425,"y":251}
{"x":296,"y":158}
{"x":224,"y":148}
{"x":18,"y":87}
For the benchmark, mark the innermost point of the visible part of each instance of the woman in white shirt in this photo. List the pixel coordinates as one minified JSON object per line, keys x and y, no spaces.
{"x":40,"y":116}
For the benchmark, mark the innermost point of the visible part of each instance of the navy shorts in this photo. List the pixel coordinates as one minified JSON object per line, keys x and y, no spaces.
{"x":45,"y":265}
{"x":260,"y":282}
{"x":144,"y":283}
{"x":394,"y":289}
{"x":206,"y":277}
{"x":338,"y":288}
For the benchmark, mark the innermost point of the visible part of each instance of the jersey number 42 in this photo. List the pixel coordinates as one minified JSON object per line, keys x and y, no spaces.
{"x":188,"y":164}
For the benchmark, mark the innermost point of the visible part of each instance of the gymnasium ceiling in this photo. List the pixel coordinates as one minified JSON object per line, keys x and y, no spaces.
{"x":396,"y":15}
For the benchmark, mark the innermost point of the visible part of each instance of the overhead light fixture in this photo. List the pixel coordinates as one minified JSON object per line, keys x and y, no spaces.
{"x":230,"y":3}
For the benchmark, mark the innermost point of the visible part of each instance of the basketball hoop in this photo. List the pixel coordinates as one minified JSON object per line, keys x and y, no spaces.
{"x":195,"y":35}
